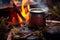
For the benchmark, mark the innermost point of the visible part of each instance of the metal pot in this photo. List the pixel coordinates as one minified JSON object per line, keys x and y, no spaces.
{"x":37,"y":17}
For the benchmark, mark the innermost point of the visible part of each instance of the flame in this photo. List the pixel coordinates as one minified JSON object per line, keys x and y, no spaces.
{"x":15,"y":1}
{"x":24,"y":10}
{"x":13,"y":20}
{"x":19,"y":18}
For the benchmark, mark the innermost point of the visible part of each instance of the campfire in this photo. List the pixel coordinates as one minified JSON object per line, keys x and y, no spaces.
{"x":24,"y":11}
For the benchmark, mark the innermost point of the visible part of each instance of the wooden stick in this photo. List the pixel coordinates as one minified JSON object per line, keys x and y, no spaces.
{"x":53,"y":21}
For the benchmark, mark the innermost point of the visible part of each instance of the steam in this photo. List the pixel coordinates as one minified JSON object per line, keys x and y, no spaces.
{"x":38,"y":1}
{"x":42,"y":5}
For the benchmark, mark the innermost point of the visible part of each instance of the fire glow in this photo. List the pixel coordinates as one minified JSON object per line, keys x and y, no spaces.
{"x":24,"y":11}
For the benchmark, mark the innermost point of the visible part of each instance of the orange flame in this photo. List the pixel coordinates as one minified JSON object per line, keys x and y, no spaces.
{"x":24,"y":10}
{"x":19,"y":18}
{"x":15,"y":1}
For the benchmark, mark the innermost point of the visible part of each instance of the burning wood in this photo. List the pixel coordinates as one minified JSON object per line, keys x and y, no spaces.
{"x":18,"y":11}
